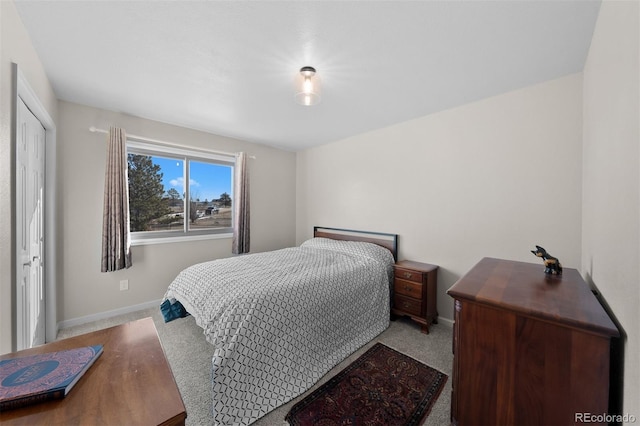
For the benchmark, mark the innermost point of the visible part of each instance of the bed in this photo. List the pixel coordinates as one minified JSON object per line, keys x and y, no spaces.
{"x":280,"y":320}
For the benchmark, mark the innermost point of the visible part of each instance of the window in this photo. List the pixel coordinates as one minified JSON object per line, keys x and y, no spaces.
{"x":178,"y":193}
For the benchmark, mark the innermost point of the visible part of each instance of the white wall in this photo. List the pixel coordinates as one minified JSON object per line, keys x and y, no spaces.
{"x":611,"y":178}
{"x":83,"y":289}
{"x":15,"y":47}
{"x":492,"y":178}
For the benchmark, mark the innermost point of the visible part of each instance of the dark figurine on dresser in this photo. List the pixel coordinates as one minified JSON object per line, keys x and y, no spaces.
{"x":552,"y":264}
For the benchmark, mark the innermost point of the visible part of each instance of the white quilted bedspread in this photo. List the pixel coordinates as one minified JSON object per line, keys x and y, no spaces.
{"x":280,"y":320}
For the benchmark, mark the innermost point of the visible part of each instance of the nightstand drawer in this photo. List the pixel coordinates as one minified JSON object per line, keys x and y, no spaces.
{"x":408,"y":288}
{"x":407,"y":304}
{"x":407,"y":274}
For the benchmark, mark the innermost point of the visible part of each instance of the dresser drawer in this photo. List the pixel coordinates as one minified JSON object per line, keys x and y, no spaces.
{"x":407,"y":304}
{"x":408,"y":288}
{"x":408,"y":274}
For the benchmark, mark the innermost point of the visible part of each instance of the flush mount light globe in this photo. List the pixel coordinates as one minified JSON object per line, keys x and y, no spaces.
{"x":307,"y":87}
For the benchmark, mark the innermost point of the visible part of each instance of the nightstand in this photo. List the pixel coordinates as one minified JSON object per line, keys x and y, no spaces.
{"x":415,"y":286}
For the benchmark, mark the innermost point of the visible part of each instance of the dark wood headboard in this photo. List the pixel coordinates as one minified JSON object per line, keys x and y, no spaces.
{"x":388,"y":241}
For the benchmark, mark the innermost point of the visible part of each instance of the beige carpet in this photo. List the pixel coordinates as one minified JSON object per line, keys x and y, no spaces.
{"x":189,"y":355}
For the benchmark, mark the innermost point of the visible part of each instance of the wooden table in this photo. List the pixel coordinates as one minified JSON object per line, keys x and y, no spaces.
{"x":130,"y":384}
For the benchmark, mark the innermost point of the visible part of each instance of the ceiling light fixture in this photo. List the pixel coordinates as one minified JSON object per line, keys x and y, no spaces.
{"x":307,"y":87}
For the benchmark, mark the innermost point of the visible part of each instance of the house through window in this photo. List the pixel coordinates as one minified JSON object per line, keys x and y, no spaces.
{"x":178,"y":193}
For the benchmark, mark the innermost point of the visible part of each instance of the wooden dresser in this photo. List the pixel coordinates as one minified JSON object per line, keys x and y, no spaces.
{"x":415,"y":286}
{"x":529,"y":349}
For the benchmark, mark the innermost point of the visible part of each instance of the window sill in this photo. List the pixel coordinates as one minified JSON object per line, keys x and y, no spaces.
{"x":182,"y":239}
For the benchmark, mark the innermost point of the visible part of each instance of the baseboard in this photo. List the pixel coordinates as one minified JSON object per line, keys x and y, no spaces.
{"x":446,"y":322}
{"x":108,"y":314}
{"x":154,"y":303}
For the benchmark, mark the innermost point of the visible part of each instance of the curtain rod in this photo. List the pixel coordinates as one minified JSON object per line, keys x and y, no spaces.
{"x":141,"y":138}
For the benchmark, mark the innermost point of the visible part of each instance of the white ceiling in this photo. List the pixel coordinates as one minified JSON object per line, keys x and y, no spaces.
{"x":227,"y":67}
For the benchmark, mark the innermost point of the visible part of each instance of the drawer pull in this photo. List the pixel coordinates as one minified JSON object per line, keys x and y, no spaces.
{"x":407,"y":274}
{"x":406,"y":305}
{"x":407,"y":288}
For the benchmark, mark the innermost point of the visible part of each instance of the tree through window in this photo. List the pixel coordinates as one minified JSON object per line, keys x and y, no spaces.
{"x":177,"y":193}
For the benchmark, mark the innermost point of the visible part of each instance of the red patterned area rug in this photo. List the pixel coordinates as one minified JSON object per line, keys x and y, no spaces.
{"x":382,"y":387}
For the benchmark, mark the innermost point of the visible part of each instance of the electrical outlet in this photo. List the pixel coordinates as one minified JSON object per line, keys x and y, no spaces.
{"x":124,"y":285}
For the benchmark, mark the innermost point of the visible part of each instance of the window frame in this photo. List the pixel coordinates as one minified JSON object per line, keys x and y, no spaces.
{"x":185,"y":154}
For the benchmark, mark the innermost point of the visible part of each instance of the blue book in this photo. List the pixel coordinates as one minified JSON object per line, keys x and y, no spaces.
{"x":37,"y":378}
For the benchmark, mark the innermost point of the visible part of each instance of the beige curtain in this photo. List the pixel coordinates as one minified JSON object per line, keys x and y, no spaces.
{"x":116,"y":246}
{"x":241,"y":206}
